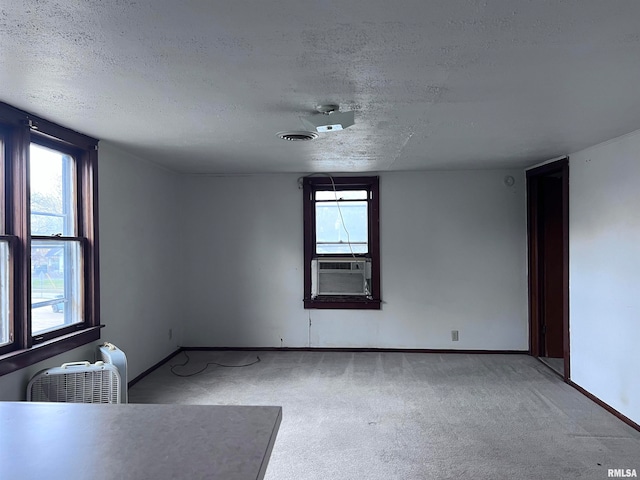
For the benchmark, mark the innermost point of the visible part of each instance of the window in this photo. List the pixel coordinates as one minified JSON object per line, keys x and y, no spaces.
{"x":341,"y":242}
{"x":49,"y":299}
{"x":56,"y":251}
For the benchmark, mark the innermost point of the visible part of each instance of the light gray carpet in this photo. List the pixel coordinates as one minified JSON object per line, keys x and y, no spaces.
{"x":410,"y":415}
{"x":556,"y":364}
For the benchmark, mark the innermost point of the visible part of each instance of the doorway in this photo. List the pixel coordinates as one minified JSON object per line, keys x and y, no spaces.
{"x":548,"y":241}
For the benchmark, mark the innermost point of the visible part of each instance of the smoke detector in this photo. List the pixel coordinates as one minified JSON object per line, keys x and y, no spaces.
{"x":328,"y":119}
{"x":297,"y":136}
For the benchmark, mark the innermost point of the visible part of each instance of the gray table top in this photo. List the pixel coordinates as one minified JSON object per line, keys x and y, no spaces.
{"x":135,"y":441}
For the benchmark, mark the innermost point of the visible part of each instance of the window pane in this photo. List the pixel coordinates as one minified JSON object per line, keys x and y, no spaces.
{"x":341,"y":227}
{"x":52,"y":192}
{"x":5,"y":312}
{"x":56,"y":284}
{"x":341,"y":195}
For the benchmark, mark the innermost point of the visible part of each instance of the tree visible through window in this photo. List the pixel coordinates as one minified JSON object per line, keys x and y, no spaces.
{"x":56,"y":255}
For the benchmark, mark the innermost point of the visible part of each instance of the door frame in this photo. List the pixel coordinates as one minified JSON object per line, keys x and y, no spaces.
{"x":561,"y":167}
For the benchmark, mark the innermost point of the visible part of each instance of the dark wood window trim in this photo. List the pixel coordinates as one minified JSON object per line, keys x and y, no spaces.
{"x":20,"y":129}
{"x":319,"y":183}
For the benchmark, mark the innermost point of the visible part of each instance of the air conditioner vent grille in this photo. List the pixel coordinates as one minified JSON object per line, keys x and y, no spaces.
{"x":336,"y":266}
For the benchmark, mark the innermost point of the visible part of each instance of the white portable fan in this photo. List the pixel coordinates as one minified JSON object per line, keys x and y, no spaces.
{"x":76,"y":382}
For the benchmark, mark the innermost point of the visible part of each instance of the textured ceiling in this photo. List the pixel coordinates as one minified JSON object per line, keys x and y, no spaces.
{"x":203,"y":87}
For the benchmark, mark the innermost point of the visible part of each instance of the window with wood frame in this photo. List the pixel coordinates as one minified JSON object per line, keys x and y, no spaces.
{"x":341,"y":242}
{"x":49,"y":278}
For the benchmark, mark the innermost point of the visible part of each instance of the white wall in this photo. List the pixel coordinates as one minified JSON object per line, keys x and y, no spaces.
{"x":139,"y":259}
{"x":453,"y":248}
{"x":140,"y":252}
{"x":604,"y":252}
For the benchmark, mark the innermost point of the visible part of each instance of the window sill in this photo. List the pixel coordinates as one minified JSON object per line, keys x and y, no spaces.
{"x":342,"y":303}
{"x":10,"y":362}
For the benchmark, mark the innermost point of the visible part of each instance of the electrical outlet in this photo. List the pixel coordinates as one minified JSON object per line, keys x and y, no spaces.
{"x":170,"y":334}
{"x":454,"y":335}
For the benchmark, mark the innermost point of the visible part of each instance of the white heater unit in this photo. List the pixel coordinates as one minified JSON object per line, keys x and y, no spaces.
{"x":112,"y":355}
{"x":76,"y":382}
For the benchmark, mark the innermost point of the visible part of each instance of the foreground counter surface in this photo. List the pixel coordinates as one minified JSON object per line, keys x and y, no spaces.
{"x":68,"y":441}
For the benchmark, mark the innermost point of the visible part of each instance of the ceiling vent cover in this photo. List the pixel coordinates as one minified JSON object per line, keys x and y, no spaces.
{"x":297,"y":136}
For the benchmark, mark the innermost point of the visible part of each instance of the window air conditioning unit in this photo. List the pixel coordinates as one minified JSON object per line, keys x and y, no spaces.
{"x":340,"y":276}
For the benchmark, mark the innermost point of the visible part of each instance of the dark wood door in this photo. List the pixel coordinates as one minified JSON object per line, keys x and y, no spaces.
{"x":551,"y":266}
